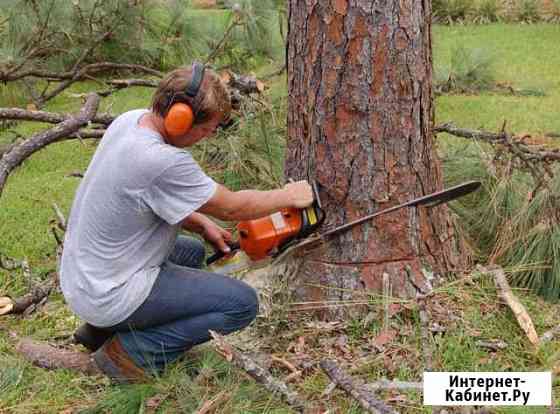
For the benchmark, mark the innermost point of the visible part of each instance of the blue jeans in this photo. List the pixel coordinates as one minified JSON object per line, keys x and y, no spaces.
{"x":185,"y":302}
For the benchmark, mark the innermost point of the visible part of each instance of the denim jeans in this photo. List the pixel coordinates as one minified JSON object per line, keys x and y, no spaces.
{"x":184,"y":303}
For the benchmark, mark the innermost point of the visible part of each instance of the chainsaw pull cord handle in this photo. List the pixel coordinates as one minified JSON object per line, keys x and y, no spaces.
{"x":219,"y":254}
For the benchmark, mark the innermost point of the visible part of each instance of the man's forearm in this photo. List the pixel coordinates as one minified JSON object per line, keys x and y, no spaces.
{"x":253,"y":203}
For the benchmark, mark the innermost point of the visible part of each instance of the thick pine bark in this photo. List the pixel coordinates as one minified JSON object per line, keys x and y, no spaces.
{"x":360,"y":122}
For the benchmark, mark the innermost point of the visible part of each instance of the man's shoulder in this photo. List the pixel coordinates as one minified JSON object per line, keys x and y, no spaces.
{"x":157,"y":158}
{"x":132,"y":114}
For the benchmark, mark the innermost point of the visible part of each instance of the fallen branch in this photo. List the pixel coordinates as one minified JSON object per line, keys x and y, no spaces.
{"x":84,"y":134}
{"x":493,"y":345}
{"x":46,"y":356}
{"x":504,"y":290}
{"x":451,"y":129}
{"x":49,"y":117}
{"x":60,"y":217}
{"x":531,"y":153}
{"x":21,"y":304}
{"x":534,"y":158}
{"x":328,"y":389}
{"x":359,"y":391}
{"x":394,"y":385}
{"x":211,"y":405}
{"x":18,"y":153}
{"x":259,"y":374}
{"x":425,"y":333}
{"x":79,"y":135}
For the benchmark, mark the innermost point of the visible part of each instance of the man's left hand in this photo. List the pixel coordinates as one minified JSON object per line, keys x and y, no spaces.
{"x":217,"y":236}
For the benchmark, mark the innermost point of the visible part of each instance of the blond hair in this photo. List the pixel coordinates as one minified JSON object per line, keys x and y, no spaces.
{"x":212,"y":97}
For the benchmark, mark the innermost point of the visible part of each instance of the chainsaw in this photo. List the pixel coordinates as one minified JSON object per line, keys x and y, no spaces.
{"x":292,"y":228}
{"x":270,"y":235}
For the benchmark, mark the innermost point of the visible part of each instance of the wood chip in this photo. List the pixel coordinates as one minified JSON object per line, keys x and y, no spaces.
{"x":493,"y":345}
{"x":211,"y":405}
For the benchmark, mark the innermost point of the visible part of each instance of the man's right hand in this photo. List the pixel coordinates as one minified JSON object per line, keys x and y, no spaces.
{"x":299,"y":193}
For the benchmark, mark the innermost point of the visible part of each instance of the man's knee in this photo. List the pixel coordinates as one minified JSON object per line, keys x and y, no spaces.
{"x":248,"y":303}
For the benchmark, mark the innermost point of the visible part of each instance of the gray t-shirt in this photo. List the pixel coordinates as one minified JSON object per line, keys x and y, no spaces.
{"x":125,"y":219}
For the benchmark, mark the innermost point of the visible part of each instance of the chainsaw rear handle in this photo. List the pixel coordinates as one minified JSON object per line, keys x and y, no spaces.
{"x":219,"y":254}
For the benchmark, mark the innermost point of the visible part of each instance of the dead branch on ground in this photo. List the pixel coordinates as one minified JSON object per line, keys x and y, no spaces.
{"x":357,"y":390}
{"x":425,"y":332}
{"x":394,"y":385}
{"x":47,"y":356}
{"x":211,"y":405}
{"x":259,"y":374}
{"x":49,"y":117}
{"x":536,"y":159}
{"x":21,"y":305}
{"x":61,"y":220}
{"x":505,"y":293}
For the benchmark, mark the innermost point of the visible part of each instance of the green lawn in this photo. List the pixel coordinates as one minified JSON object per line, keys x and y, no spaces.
{"x":526,"y":56}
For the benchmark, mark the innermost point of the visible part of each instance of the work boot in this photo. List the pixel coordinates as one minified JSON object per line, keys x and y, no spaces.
{"x":115,"y":362}
{"x":91,"y":337}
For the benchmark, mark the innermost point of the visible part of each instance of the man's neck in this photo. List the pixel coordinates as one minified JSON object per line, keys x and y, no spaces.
{"x":152,"y":122}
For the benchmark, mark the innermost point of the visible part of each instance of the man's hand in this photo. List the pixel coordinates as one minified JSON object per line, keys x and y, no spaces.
{"x":300,"y":194}
{"x":211,"y":232}
{"x":217,"y":236}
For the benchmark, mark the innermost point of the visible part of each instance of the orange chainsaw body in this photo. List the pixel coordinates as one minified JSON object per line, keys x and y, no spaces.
{"x":258,"y":238}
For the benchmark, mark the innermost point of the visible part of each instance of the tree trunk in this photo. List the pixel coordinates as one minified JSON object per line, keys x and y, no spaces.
{"x":360,"y":123}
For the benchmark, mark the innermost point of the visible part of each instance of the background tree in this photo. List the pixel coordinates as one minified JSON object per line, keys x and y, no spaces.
{"x":360,"y":122}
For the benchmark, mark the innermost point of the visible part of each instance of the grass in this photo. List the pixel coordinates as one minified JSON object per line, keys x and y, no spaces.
{"x":522,"y":57}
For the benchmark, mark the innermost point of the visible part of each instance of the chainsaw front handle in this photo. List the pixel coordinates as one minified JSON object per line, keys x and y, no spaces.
{"x":219,"y":254}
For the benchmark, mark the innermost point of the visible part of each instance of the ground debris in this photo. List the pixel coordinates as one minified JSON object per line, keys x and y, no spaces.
{"x":355,"y":389}
{"x":509,"y":298}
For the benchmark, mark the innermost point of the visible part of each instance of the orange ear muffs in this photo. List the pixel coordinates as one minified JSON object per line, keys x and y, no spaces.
{"x":179,"y":120}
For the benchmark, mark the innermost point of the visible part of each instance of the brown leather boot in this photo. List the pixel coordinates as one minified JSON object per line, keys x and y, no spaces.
{"x":91,"y":337}
{"x":115,"y":362}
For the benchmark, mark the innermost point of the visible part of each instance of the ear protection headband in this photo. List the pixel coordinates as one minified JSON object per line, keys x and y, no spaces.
{"x":181,"y":116}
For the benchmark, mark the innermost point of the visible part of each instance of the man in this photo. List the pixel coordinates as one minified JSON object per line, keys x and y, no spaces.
{"x":124,"y":271}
